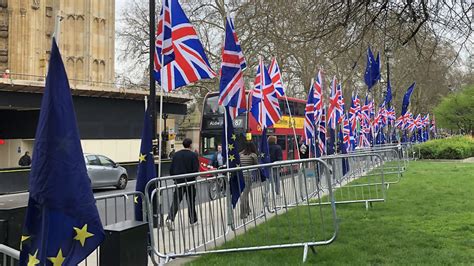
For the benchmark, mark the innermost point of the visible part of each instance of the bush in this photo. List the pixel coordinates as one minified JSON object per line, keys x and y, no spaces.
{"x":458,"y":147}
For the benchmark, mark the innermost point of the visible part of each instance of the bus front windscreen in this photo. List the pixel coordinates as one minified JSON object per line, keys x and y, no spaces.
{"x":211,"y":106}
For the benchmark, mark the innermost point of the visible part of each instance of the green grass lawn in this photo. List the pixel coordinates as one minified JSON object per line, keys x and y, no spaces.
{"x":428,"y":218}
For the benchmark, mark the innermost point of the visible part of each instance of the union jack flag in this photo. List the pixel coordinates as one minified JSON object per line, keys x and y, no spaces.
{"x":275,"y":75}
{"x":363,"y":141}
{"x":309,"y":122}
{"x":340,"y":111}
{"x":335,"y":108}
{"x":318,"y":97}
{"x":365,"y":111}
{"x":265,"y":107}
{"x":184,"y":59}
{"x":322,"y":132}
{"x":346,"y":131}
{"x":391,"y":114}
{"x":232,"y":87}
{"x":353,"y":119}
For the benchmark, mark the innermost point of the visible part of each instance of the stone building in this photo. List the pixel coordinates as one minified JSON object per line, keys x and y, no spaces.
{"x":86,"y":38}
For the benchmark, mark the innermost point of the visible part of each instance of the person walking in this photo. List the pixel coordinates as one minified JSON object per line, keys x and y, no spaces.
{"x":304,"y":151}
{"x":184,"y":161}
{"x":25,"y":160}
{"x":275,"y":155}
{"x":248,"y":156}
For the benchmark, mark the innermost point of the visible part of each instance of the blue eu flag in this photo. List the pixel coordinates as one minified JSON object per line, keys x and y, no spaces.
{"x":62,"y":225}
{"x":264,"y":155}
{"x":372,"y":69}
{"x":406,"y":98}
{"x":229,"y":142}
{"x":146,"y":164}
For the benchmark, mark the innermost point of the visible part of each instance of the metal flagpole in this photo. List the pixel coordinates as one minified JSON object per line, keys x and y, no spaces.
{"x":291,"y":119}
{"x":151,"y":66}
{"x":229,"y":196}
{"x":160,"y":127}
{"x":57,"y":27}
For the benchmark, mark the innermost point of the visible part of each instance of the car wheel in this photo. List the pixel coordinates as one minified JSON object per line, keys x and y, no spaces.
{"x":122,"y":182}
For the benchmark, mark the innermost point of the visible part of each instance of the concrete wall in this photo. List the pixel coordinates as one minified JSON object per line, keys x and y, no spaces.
{"x":119,"y":150}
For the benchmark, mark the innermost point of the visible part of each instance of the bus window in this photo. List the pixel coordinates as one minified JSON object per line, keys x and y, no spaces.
{"x":291,"y":147}
{"x":283,"y":107}
{"x":209,"y":145}
{"x":299,"y":110}
{"x":211,"y":106}
{"x":292,"y":108}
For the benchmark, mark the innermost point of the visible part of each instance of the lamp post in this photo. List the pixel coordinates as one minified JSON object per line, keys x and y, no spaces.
{"x":388,"y":56}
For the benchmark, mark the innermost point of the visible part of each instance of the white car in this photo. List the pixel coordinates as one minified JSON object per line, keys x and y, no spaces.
{"x":103,"y":172}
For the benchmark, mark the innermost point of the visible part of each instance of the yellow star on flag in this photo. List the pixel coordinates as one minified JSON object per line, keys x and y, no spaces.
{"x":82,"y":234}
{"x":32,"y":260}
{"x":231,"y":157}
{"x":23,"y":238}
{"x":262,"y":155}
{"x":231,"y":147}
{"x":142,"y":158}
{"x":58,"y":260}
{"x":135,"y":199}
{"x":234,"y":137}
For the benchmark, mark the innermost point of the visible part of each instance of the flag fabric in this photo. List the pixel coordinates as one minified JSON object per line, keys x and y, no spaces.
{"x":309,"y":125}
{"x":265,"y":107}
{"x":62,"y":224}
{"x":229,"y":143}
{"x":232,"y":86}
{"x":406,"y":98}
{"x":264,"y":156}
{"x":275,"y":75}
{"x":322,"y":132}
{"x":184,"y":59}
{"x":318,"y":97}
{"x":340,"y":111}
{"x":146,"y":164}
{"x":372,"y":69}
{"x":346,"y":134}
{"x":166,"y":42}
{"x":334,"y":108}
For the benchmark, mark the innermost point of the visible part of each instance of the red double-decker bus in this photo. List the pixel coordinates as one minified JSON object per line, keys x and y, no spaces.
{"x":212,"y":125}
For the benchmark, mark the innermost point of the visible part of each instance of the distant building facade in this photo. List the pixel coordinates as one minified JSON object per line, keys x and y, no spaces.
{"x":86,"y":39}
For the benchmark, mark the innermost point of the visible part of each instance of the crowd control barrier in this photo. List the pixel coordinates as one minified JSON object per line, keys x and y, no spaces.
{"x":202,"y":225}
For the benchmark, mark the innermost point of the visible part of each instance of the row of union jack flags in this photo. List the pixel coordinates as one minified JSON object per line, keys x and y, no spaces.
{"x":180,"y":60}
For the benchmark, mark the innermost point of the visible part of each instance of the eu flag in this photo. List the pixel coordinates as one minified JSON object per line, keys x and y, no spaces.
{"x":406,"y":98}
{"x":372,"y":69}
{"x":264,"y":157}
{"x":229,"y":142}
{"x":146,"y":164}
{"x":62,"y":224}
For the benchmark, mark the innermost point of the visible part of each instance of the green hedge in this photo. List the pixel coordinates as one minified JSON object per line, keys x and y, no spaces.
{"x":458,"y":147}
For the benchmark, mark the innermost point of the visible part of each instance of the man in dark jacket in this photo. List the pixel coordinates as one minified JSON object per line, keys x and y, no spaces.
{"x":275,"y":155}
{"x":184,"y":162}
{"x":25,"y":160}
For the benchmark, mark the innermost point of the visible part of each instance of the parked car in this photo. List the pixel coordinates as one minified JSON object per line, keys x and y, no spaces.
{"x":104,"y":172}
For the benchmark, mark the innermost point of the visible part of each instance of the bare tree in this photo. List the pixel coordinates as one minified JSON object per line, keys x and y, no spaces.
{"x":426,"y":38}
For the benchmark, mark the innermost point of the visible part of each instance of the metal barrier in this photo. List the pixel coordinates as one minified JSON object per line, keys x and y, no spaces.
{"x":354,"y":178}
{"x":9,"y":256}
{"x":113,"y":209}
{"x":283,"y":195}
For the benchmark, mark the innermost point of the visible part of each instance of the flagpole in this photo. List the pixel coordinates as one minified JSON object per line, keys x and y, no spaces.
{"x":160,"y":127}
{"x":152,"y":98}
{"x":229,"y":197}
{"x":291,"y":117}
